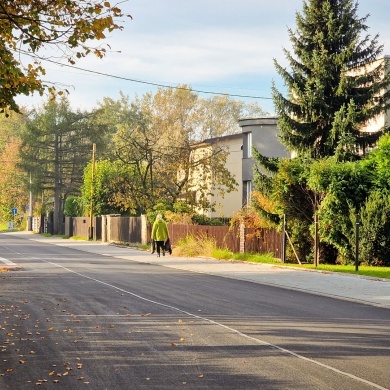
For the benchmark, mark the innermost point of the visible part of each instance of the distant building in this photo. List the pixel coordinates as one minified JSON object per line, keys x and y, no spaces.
{"x":381,"y":121}
{"x":227,"y":204}
{"x":262,"y":134}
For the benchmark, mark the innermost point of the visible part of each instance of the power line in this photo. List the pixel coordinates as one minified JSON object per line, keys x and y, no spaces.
{"x":151,"y":83}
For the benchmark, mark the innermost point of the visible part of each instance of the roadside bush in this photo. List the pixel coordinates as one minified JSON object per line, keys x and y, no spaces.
{"x":375,"y":229}
{"x":301,"y":240}
{"x":191,"y":246}
{"x":74,"y":206}
{"x":199,"y":219}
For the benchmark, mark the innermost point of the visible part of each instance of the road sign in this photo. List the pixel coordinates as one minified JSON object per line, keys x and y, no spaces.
{"x":14,"y":211}
{"x":10,"y":225}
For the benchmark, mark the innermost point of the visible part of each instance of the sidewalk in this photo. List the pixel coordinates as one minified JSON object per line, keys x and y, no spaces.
{"x":361,"y":289}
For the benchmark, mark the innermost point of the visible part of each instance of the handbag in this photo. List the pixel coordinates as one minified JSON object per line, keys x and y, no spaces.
{"x":152,"y":246}
{"x":167,"y":246}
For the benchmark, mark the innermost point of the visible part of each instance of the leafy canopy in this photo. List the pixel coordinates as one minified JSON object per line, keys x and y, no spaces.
{"x":64,"y":28}
{"x":156,"y":145}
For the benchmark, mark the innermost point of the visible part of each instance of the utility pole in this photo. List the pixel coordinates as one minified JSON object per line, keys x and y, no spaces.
{"x":57,"y":220}
{"x":30,"y":210}
{"x":90,"y":235}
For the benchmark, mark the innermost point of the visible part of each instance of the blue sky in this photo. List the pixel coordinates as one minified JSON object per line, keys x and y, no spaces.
{"x":225,"y":46}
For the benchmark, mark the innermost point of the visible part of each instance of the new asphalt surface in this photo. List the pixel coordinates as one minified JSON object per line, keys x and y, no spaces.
{"x":361,"y":289}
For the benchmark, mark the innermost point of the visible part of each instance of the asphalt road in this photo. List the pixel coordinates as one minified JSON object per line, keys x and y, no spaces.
{"x":72,"y":319}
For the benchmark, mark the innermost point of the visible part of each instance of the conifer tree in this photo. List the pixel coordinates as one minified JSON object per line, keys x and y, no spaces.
{"x":336,"y":83}
{"x":56,"y":144}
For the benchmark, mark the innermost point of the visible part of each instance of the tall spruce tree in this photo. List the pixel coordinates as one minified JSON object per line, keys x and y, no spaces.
{"x":336,"y":83}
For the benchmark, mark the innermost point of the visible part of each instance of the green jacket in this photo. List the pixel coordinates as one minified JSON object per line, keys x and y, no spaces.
{"x":160,"y":230}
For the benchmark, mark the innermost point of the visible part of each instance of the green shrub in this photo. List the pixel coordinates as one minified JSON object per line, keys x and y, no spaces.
{"x":191,"y":246}
{"x":199,"y":219}
{"x":74,"y":206}
{"x":375,"y":229}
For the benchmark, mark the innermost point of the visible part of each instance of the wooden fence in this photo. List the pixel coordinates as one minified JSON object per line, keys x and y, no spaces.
{"x":264,"y":241}
{"x":223,"y":236}
{"x":254,"y":241}
{"x":137,"y":230}
{"x":79,"y":227}
{"x":126,"y":229}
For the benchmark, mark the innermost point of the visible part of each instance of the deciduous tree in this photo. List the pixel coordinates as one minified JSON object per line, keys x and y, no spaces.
{"x":219,"y":115}
{"x":158,"y":136}
{"x":110,"y":189}
{"x":13,"y":183}
{"x":29,"y":29}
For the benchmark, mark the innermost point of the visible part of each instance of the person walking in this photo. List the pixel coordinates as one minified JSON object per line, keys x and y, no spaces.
{"x":160,"y":234}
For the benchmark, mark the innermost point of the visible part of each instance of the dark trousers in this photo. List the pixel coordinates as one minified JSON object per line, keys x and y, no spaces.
{"x":160,"y":245}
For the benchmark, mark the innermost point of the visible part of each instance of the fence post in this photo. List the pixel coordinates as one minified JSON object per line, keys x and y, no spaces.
{"x":284,"y":239}
{"x":242,"y":237}
{"x":104,"y":228}
{"x":68,"y":226}
{"x":144,"y":229}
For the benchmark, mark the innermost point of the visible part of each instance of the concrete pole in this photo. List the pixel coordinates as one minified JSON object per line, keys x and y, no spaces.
{"x":30,"y":209}
{"x":90,"y":231}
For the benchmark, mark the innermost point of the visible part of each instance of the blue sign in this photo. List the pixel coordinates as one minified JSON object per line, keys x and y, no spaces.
{"x":14,"y":211}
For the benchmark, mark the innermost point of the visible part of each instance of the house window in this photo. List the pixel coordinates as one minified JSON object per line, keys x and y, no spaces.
{"x":247,"y":192}
{"x":247,"y":149}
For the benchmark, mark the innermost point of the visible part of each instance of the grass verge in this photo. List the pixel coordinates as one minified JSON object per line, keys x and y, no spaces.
{"x":206,"y":247}
{"x":57,"y":236}
{"x":364,"y":270}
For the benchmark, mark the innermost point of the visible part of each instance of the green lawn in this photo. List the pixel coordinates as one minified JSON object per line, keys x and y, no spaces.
{"x":364,"y":270}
